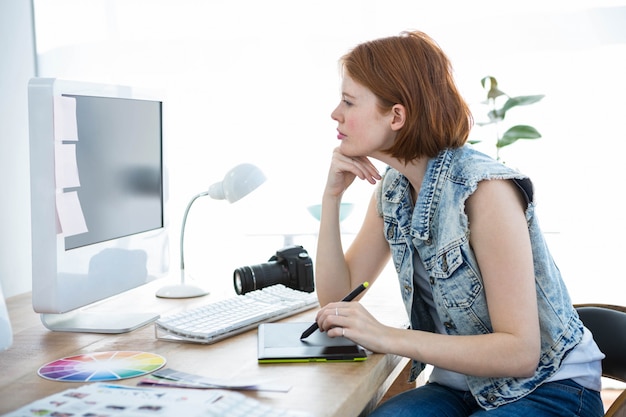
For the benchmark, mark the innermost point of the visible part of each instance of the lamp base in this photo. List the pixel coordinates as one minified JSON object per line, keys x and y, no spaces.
{"x":181,"y":291}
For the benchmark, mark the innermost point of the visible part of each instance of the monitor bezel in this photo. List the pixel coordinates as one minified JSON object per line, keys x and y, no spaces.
{"x":50,"y":290}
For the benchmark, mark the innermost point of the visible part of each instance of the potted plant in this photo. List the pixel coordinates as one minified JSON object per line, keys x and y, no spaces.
{"x":497,"y":114}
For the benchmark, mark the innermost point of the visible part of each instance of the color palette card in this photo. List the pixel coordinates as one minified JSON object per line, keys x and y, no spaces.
{"x":102,"y":366}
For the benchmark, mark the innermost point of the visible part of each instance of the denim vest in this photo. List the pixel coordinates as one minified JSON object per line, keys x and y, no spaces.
{"x":437,"y":228}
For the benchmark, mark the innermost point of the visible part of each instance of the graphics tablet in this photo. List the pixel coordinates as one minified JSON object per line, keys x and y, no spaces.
{"x":280,"y":342}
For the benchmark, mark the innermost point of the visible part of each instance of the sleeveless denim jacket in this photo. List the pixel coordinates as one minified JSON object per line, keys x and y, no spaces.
{"x":437,"y":228}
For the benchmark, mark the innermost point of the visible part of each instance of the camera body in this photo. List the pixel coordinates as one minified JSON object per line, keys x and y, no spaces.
{"x":291,"y":266}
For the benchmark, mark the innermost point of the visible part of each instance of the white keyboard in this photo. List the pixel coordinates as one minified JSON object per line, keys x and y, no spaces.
{"x":225,"y":318}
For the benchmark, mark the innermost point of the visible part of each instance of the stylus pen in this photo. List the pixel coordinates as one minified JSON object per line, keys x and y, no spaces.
{"x":358,"y":290}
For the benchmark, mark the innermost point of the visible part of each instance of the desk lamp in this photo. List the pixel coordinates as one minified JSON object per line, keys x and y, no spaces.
{"x":237,"y":183}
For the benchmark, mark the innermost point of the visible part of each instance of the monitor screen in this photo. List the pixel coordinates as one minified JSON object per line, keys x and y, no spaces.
{"x":119,"y":165}
{"x":98,"y":199}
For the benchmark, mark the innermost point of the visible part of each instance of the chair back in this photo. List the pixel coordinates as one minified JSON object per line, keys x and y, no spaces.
{"x":608,"y":325}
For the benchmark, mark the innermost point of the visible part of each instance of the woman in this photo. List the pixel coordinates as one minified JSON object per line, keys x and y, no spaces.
{"x":489,"y":310}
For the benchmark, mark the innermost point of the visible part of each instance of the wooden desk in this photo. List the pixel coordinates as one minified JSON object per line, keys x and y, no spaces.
{"x":325,"y":389}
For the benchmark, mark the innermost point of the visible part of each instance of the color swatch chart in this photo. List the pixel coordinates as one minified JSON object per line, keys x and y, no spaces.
{"x":102,"y":366}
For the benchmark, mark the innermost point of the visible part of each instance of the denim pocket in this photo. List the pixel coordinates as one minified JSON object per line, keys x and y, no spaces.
{"x":462,"y":284}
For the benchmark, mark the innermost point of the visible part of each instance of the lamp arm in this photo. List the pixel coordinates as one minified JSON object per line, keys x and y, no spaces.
{"x":182,"y":235}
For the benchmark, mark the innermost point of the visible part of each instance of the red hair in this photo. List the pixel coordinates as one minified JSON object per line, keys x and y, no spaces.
{"x":412,"y":70}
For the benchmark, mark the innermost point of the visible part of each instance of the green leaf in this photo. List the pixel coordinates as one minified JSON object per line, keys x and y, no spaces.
{"x":517,"y":132}
{"x":492,"y":81}
{"x":493,"y":87}
{"x":495,"y":116}
{"x":521,"y":101}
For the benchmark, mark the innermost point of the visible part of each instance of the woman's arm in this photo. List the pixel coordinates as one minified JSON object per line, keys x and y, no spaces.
{"x":337,"y":274}
{"x":500,"y":239}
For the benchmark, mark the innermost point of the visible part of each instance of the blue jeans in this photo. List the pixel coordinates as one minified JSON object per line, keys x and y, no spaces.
{"x":552,"y":399}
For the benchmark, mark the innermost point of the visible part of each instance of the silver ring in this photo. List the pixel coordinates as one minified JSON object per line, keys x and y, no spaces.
{"x":336,"y":311}
{"x":343,"y":332}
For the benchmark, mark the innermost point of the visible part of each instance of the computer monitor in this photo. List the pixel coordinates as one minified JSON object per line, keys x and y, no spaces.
{"x":98,"y":201}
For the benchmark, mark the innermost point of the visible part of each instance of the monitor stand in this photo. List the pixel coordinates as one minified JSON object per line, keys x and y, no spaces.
{"x":96,"y":322}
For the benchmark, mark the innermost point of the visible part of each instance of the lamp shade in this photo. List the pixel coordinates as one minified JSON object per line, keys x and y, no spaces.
{"x":237,"y":183}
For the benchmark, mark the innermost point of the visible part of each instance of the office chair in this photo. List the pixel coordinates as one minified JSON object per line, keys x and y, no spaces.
{"x":608,"y":325}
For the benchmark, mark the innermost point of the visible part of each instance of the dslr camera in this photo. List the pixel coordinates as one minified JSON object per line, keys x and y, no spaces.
{"x":291,"y":266}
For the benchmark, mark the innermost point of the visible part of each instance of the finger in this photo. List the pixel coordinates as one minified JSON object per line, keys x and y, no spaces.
{"x":366,"y":169}
{"x":338,"y":332}
{"x":323,"y":316}
{"x":330,"y":318}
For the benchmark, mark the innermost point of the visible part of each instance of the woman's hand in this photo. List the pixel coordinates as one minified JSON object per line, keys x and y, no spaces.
{"x":344,"y":169}
{"x":353,"y":321}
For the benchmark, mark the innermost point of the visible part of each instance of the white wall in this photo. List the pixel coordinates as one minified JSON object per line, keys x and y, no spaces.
{"x":17,"y":65}
{"x":256,"y":81}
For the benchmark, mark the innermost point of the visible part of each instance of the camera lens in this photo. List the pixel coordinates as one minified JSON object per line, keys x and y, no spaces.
{"x":254,"y":277}
{"x":237,"y":282}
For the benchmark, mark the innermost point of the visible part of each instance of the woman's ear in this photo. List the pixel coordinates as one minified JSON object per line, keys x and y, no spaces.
{"x":398,"y":113}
